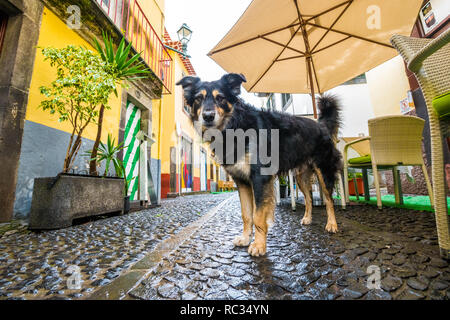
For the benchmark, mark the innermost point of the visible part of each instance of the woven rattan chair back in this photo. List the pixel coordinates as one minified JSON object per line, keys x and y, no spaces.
{"x":396,"y":140}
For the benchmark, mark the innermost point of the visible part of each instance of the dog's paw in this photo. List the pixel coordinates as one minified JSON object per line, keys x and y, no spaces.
{"x":257,"y":249}
{"x":241,"y":241}
{"x":306,"y":220}
{"x":331,"y":227}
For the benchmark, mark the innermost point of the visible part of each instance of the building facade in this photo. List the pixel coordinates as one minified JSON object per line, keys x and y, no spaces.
{"x":352,"y":94}
{"x":32,"y":142}
{"x":186,"y":164}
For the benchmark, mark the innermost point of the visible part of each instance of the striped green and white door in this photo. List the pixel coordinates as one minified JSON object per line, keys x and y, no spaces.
{"x":132,"y":152}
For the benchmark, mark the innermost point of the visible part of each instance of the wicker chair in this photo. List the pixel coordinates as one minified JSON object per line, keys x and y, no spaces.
{"x":394,"y":141}
{"x":429,"y":60}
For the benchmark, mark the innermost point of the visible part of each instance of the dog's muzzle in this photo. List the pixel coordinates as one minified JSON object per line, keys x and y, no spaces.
{"x":208,"y":117}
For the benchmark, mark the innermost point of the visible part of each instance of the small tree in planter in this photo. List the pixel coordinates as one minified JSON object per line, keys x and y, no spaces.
{"x":122,"y":69}
{"x":82,"y":85}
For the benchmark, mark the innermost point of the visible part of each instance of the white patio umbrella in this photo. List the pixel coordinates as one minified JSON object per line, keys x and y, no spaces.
{"x":311,"y":46}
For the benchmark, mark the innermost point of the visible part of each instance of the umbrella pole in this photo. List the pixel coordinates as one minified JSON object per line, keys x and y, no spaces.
{"x":313,"y":94}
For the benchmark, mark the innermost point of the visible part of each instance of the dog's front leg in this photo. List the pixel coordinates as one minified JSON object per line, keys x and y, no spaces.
{"x":246,"y":198}
{"x":264,"y":207}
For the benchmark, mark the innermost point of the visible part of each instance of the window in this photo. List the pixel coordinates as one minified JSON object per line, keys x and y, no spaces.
{"x":285,"y":99}
{"x":3,"y":22}
{"x":357,"y":80}
{"x":271,"y":103}
{"x":117,"y":10}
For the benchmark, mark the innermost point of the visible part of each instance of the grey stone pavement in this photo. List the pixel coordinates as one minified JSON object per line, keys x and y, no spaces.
{"x":305,"y":262}
{"x":184,"y":250}
{"x":34,"y":265}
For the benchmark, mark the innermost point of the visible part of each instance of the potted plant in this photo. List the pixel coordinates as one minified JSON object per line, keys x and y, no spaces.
{"x":359,"y":181}
{"x":283,"y":186}
{"x":106,"y":153}
{"x":123,"y":69}
{"x":109,"y":153}
{"x":79,"y":95}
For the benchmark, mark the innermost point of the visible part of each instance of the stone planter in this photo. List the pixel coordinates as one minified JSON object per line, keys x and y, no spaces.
{"x":57,"y":201}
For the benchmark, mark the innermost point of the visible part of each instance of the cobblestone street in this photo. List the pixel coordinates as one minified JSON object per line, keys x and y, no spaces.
{"x":307,"y":262}
{"x":33,"y":265}
{"x":303,"y":262}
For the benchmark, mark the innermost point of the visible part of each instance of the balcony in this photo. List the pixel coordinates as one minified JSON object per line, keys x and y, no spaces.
{"x":131,"y":21}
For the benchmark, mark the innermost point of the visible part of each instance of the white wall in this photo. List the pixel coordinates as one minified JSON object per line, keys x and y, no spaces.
{"x":388,"y":85}
{"x":356,"y":109}
{"x":301,"y":104}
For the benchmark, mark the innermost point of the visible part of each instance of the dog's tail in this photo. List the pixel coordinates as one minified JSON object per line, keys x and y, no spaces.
{"x":330,"y":113}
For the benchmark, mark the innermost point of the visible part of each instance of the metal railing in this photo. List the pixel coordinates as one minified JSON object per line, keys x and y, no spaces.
{"x":3,"y":23}
{"x":132,"y":22}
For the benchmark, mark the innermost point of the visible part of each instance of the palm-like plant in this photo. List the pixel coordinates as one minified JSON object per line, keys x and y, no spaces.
{"x":122,"y":67}
{"x":108,"y":153}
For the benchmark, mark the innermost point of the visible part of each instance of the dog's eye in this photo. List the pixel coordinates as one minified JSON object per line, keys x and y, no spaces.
{"x":220,"y":98}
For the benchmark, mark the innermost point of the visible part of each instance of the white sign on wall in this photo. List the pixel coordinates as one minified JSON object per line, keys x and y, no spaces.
{"x":433,"y":13}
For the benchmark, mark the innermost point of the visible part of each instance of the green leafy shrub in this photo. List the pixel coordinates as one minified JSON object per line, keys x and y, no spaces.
{"x":81,"y":86}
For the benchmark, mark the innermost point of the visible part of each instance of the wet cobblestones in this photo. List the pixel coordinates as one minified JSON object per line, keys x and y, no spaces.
{"x":305,"y":262}
{"x":34,"y":265}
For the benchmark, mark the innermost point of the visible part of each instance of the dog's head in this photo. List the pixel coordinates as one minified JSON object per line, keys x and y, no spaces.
{"x":212,"y":102}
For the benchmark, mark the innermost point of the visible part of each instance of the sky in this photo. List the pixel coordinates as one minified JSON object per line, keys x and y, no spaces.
{"x":209,"y":21}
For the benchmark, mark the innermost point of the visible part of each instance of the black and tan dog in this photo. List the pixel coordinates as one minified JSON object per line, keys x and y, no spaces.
{"x":305,"y":146}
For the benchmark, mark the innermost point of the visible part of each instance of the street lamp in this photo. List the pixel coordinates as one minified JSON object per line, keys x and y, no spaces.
{"x":184,"y":36}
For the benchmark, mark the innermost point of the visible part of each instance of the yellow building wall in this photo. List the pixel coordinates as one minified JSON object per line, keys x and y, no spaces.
{"x":154,"y":10}
{"x":388,"y":85}
{"x":55,"y":33}
{"x":156,"y":114}
{"x":172,"y":112}
{"x":163,"y":130}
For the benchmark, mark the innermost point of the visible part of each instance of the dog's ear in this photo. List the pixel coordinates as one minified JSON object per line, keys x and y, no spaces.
{"x":233,"y":81}
{"x":188,"y":82}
